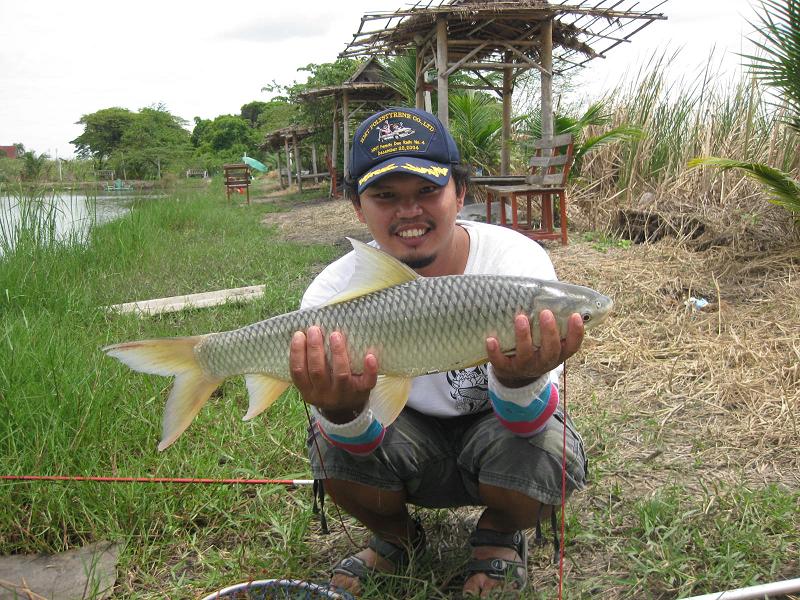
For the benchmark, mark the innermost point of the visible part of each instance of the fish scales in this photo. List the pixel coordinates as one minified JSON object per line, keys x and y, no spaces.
{"x":426,"y":325}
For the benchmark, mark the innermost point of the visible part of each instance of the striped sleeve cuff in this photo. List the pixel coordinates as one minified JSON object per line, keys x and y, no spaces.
{"x":359,"y":436}
{"x":526,"y":410}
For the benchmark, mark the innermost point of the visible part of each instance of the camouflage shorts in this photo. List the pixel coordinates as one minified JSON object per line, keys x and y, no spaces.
{"x":440,"y":462}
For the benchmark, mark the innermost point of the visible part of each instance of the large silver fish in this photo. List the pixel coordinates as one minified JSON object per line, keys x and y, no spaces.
{"x":414,"y":325}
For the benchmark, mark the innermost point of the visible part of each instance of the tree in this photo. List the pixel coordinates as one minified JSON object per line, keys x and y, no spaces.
{"x":33,"y":167}
{"x":103,"y":131}
{"x":315,"y":112}
{"x":226,"y":132}
{"x":277,"y":114}
{"x":251,"y":111}
{"x":476,"y":121}
{"x":154,"y":141}
{"x":140,"y":144}
{"x":779,"y":68}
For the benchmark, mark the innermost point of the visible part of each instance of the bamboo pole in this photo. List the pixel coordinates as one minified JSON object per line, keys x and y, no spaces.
{"x":419,"y":92}
{"x":280,"y":169}
{"x":546,"y":54}
{"x":335,"y":137}
{"x":441,"y":68}
{"x":505,"y":144}
{"x":314,"y":162}
{"x":288,"y":166}
{"x":346,"y":131}
{"x":297,"y":165}
{"x":778,"y":588}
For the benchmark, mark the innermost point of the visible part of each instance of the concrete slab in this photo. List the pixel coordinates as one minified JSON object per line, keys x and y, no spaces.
{"x":88,"y":572}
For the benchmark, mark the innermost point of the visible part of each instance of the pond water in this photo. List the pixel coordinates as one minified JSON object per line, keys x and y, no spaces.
{"x":61,"y":216}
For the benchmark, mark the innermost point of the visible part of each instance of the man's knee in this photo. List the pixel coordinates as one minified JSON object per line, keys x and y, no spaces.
{"x":519,"y":508}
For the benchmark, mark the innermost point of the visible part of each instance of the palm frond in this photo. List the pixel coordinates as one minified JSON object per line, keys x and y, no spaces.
{"x":784,"y":190}
{"x":623,"y":133}
{"x":401,"y":75}
{"x":475,"y":123}
{"x":779,"y":66}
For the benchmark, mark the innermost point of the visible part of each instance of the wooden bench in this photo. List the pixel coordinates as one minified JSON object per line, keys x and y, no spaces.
{"x":237,"y":177}
{"x":196,"y":173}
{"x":546,"y":182}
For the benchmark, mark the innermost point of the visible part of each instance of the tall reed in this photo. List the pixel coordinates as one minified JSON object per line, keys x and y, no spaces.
{"x":704,"y":114}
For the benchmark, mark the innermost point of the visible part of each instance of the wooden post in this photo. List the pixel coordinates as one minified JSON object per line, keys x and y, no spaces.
{"x":297,"y":164}
{"x":314,"y":162}
{"x":288,"y":165}
{"x":346,"y":130}
{"x":441,"y":68}
{"x":546,"y":54}
{"x":280,"y":169}
{"x":505,"y":143}
{"x":335,"y":137}
{"x":420,"y":81}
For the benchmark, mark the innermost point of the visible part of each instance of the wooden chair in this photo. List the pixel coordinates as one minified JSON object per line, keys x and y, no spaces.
{"x":237,"y":176}
{"x":547,"y":180}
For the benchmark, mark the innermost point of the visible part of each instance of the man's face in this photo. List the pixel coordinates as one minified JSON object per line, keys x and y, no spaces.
{"x":411,"y":218}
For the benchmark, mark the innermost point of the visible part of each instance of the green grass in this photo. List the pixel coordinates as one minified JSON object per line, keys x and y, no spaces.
{"x":603,"y":243}
{"x":66,"y":409}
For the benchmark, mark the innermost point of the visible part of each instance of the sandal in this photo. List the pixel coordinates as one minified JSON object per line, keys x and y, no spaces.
{"x":399,"y":555}
{"x":512,"y":571}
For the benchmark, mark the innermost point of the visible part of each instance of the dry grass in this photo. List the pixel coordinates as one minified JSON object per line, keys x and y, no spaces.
{"x":722,"y":382}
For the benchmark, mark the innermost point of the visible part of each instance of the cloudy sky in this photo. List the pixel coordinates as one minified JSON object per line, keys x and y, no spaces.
{"x":61,"y":60}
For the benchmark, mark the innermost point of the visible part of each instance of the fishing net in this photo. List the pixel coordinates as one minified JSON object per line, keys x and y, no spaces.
{"x":288,"y":589}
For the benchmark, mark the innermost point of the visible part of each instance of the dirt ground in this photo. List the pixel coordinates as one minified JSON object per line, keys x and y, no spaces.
{"x":665,"y":393}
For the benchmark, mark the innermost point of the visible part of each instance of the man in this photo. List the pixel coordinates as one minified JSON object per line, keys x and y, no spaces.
{"x":488,"y":436}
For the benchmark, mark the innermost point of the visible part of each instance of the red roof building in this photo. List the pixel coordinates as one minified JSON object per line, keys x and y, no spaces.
{"x":8,"y":151}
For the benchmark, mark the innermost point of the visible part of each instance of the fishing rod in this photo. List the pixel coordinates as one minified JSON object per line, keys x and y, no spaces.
{"x":100,"y":479}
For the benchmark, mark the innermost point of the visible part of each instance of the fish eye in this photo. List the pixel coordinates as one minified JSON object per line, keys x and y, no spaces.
{"x":586,"y":317}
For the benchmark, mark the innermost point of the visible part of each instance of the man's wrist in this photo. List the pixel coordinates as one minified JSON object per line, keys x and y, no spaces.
{"x":340,"y":416}
{"x":515,"y":383}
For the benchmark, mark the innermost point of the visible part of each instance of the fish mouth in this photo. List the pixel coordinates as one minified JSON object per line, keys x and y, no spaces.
{"x":604,"y":310}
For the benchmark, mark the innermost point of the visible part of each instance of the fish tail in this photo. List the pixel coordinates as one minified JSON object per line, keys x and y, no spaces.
{"x":171,"y":357}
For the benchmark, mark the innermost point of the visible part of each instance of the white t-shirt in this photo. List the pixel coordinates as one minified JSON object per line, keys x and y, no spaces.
{"x":493,"y":250}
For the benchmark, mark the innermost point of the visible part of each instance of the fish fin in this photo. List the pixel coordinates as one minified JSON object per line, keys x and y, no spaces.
{"x":171,"y":356}
{"x":262,"y":391}
{"x":389,"y":397}
{"x":189,"y":393}
{"x":167,"y":356}
{"x":375,"y":270}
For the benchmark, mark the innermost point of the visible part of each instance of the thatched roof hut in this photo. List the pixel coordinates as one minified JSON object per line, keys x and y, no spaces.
{"x":512,"y":37}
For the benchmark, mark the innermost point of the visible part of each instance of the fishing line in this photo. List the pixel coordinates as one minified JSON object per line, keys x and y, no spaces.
{"x":322,"y":484}
{"x":563,"y":486}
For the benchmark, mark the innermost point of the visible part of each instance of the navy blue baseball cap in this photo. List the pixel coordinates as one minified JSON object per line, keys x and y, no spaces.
{"x":402,"y":140}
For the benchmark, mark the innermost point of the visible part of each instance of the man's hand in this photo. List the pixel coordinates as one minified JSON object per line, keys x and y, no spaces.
{"x":338,"y":393}
{"x":529,"y":362}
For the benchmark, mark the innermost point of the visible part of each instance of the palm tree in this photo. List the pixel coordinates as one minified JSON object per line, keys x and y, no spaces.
{"x":477,"y":119}
{"x":401,"y":75}
{"x":779,"y":68}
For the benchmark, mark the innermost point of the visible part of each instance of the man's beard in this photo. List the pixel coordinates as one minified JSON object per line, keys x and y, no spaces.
{"x":419,"y":263}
